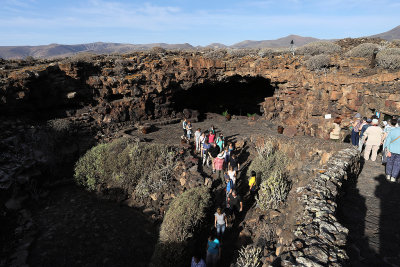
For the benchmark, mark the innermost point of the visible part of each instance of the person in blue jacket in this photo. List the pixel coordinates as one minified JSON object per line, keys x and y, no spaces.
{"x":392,"y":144}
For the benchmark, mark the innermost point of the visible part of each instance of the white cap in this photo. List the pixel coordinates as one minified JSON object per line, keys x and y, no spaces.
{"x":375,"y":121}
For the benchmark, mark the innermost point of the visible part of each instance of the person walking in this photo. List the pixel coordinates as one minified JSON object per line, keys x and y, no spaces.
{"x":220,"y":222}
{"x":206,"y":156}
{"x":197,"y":261}
{"x":356,"y":128}
{"x":219,"y":165}
{"x":220,"y":141}
{"x":233,"y":162}
{"x":213,"y":152}
{"x":213,"y":251}
{"x":335,"y":132}
{"x":373,"y":136}
{"x":235,"y":204}
{"x":252,"y":183}
{"x":197,"y":135}
{"x":189,"y":130}
{"x":232,"y":174}
{"x":363,"y":128}
{"x":184,"y":125}
{"x":202,"y":139}
{"x":392,"y":145}
{"x":211,"y":137}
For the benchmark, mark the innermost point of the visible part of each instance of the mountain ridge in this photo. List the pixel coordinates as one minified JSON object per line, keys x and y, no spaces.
{"x":63,"y":50}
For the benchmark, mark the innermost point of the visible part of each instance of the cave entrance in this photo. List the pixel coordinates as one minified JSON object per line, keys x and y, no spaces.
{"x":238,"y":95}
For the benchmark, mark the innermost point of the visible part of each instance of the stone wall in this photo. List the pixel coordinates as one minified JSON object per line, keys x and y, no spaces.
{"x":140,"y":86}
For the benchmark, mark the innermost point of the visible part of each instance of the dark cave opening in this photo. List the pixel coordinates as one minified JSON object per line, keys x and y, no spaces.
{"x":237,"y":95}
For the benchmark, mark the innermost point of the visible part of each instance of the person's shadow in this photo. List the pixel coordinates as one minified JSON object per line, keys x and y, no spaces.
{"x":389,"y":221}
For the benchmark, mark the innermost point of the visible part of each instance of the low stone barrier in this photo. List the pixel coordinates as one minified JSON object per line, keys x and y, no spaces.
{"x":320,"y":237}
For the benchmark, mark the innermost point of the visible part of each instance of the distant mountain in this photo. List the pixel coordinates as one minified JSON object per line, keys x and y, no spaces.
{"x":389,"y":35}
{"x":216,"y":45}
{"x":281,"y":42}
{"x":60,"y":50}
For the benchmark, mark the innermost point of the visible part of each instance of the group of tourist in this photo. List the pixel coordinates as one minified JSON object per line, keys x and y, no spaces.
{"x":370,"y":135}
{"x":221,"y":157}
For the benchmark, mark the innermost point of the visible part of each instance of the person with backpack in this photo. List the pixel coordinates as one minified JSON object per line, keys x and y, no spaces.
{"x":392,"y":144}
{"x":364,"y":127}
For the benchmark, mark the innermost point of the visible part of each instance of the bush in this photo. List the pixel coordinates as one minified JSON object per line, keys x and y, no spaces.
{"x":60,"y":125}
{"x":270,"y":167}
{"x":249,"y":256}
{"x":130,"y":166}
{"x":273,"y":191}
{"x":215,"y":54}
{"x":362,"y":50}
{"x":183,"y":219}
{"x":389,"y":58}
{"x":242,"y":52}
{"x":317,"y":48}
{"x":318,"y":62}
{"x":157,"y":50}
{"x":396,"y":42}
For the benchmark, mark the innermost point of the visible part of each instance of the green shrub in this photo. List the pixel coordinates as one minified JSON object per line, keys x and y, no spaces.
{"x":270,"y":166}
{"x":145,"y":168}
{"x":249,"y":256}
{"x":317,"y":48}
{"x":182,"y":221}
{"x":318,"y":62}
{"x":362,"y":50}
{"x":89,"y":168}
{"x":389,"y":58}
{"x":273,"y":191}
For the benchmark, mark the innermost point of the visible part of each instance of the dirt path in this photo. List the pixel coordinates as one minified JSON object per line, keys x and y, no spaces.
{"x":75,"y":228}
{"x":370,"y":209}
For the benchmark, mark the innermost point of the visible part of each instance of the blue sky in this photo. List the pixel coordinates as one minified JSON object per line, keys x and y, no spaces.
{"x":36,"y":22}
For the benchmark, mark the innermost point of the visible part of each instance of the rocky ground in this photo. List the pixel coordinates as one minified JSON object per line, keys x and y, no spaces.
{"x":76,"y":228}
{"x":370,"y":210}
{"x":72,"y":227}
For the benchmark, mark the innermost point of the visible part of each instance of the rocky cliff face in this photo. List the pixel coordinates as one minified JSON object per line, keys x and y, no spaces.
{"x":142,"y":86}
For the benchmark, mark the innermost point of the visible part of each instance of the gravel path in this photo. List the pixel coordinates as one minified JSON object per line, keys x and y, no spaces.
{"x":370,"y":210}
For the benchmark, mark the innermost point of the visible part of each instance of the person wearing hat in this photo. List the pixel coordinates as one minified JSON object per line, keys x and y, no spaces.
{"x":372,"y":138}
{"x":363,"y":128}
{"x":356,"y":128}
{"x":392,"y":145}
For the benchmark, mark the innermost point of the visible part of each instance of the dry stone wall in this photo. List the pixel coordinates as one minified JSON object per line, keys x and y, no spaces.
{"x":140,"y":87}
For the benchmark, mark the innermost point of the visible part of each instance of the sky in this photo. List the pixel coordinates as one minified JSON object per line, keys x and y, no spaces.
{"x":41,"y":22}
